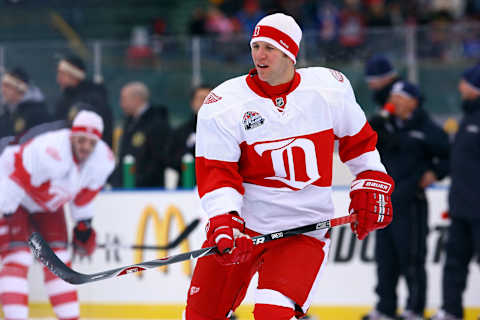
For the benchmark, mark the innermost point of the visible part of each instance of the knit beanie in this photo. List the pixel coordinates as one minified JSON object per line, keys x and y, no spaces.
{"x":281,"y":31}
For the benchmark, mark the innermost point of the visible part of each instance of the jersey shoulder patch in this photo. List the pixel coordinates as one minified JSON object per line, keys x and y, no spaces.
{"x":337,"y":75}
{"x":212,"y":98}
{"x":324,"y":78}
{"x":223,"y":98}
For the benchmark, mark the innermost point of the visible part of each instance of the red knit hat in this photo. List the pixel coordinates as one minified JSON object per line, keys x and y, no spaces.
{"x":281,"y":31}
{"x":88,"y":123}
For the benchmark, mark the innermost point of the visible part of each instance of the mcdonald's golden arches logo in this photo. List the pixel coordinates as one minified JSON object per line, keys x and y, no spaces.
{"x":161,"y":228}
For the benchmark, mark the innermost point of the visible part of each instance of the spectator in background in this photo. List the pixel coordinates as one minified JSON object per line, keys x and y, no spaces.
{"x":415,"y":153}
{"x":184,"y":136}
{"x":146,"y":137}
{"x":140,"y":53}
{"x":380,"y":76}
{"x":352,"y":27}
{"x":377,"y":14}
{"x":23,"y":105}
{"x":218,"y":23}
{"x":327,"y":20}
{"x":437,"y":42}
{"x":463,"y":241}
{"x":248,"y":16}
{"x":197,"y":24}
{"x":72,"y":79}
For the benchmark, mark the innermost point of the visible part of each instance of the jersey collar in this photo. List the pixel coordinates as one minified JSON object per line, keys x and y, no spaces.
{"x":264,"y":90}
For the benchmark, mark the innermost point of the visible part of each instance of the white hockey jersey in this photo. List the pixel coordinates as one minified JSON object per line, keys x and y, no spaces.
{"x":41,"y":175}
{"x":274,"y":165}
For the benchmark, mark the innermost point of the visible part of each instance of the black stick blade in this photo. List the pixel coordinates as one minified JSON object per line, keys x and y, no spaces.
{"x":45,"y":254}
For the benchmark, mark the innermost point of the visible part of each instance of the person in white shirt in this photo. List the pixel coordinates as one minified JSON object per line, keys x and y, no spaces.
{"x":264,"y":153}
{"x":37,"y":178}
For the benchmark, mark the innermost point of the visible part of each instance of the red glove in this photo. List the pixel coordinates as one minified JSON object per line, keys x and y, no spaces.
{"x":84,"y":238}
{"x":226,"y":232}
{"x":370,"y":195}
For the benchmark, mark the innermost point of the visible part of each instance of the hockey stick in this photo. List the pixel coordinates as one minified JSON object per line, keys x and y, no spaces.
{"x":182,"y":236}
{"x":45,"y":254}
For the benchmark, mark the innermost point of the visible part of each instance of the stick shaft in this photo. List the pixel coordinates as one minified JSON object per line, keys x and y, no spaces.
{"x":46,"y":255}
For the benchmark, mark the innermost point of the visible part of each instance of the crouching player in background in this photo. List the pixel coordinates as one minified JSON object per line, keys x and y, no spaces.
{"x":36,"y":180}
{"x":264,"y":153}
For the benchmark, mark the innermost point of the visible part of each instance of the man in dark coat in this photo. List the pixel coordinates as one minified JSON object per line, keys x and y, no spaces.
{"x":184,"y":135}
{"x":22,"y":108}
{"x":381,"y":76}
{"x":71,"y":77}
{"x":415,"y":153}
{"x":463,"y":241}
{"x":146,"y":138}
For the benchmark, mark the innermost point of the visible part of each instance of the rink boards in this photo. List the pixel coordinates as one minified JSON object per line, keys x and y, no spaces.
{"x":147,"y":217}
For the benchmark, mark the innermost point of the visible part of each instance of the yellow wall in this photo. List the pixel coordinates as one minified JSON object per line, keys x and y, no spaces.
{"x":148,"y":311}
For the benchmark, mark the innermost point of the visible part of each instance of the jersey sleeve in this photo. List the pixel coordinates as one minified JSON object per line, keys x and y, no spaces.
{"x":81,"y":207}
{"x":31,"y":172}
{"x":356,"y":138}
{"x":99,"y":169}
{"x":11,"y":193}
{"x":217,"y":154}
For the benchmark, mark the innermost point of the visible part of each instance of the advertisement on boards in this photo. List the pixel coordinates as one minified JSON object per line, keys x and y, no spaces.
{"x":157,"y":217}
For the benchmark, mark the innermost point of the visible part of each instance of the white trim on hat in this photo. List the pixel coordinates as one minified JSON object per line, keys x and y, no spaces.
{"x":87,"y":123}
{"x":15,"y":82}
{"x":66,"y":66}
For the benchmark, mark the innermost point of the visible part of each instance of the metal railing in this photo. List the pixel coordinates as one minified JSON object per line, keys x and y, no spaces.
{"x":432,"y":56}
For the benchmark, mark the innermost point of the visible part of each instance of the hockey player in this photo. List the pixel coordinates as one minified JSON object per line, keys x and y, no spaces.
{"x":36,"y":179}
{"x":264,"y":153}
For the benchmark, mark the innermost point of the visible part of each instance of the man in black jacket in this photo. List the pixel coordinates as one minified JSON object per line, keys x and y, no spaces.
{"x":21,"y":109}
{"x":71,"y":77}
{"x":184,"y":136}
{"x":381,"y":76}
{"x":463,"y":241}
{"x":146,"y":137}
{"x":415,"y":153}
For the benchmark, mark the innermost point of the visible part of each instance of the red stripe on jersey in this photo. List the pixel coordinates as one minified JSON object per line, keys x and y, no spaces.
{"x":289,"y":162}
{"x":13,"y":269}
{"x":364,"y":141}
{"x":9,"y":298}
{"x":63,"y":298}
{"x":215,"y":174}
{"x":22,"y":177}
{"x":85,"y":195}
